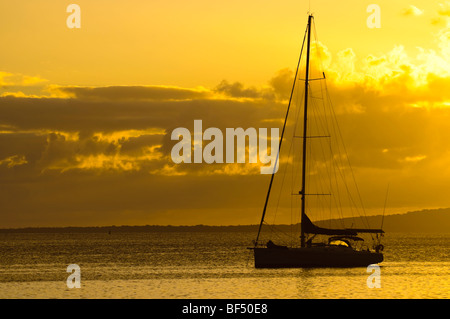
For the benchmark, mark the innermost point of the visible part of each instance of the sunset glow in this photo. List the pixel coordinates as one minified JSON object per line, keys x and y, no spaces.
{"x":86,"y":114}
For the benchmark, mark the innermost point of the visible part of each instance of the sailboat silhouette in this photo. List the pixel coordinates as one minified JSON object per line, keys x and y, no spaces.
{"x":338,"y":251}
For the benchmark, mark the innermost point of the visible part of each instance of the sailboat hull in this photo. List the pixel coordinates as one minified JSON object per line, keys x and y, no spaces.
{"x":327,"y":256}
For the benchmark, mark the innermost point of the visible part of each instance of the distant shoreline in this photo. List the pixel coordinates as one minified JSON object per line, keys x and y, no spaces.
{"x":424,"y":221}
{"x":134,"y":229}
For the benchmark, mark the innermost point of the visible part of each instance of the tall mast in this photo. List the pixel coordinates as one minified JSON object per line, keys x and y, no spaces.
{"x":305,"y":117}
{"x":281,"y":140}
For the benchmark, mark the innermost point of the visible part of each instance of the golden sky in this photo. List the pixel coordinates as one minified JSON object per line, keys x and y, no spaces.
{"x":86,"y":114}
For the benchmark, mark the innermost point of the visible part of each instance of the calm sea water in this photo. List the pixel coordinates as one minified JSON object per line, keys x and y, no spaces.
{"x":207,"y":265}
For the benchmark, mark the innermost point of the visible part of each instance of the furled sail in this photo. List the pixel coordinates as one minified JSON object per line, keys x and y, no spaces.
{"x":310,"y":228}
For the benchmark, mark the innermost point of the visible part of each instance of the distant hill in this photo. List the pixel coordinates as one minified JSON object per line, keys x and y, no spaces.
{"x":424,"y":221}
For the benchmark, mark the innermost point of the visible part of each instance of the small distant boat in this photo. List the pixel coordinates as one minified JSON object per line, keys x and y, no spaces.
{"x":339,"y":250}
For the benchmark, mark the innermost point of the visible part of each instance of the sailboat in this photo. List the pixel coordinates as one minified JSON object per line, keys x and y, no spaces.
{"x":340,"y":247}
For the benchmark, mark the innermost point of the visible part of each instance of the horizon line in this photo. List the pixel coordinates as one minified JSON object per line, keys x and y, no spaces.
{"x":207,"y":225}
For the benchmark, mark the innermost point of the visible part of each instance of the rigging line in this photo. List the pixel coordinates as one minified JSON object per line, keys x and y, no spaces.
{"x":281,"y":140}
{"x":338,"y":176}
{"x":292,"y":148}
{"x":322,"y":182}
{"x":276,"y":231}
{"x":289,"y":156}
{"x":325,"y":114}
{"x":299,"y":109}
{"x":286,"y":167}
{"x":351,"y":169}
{"x":325,"y":126}
{"x":318,"y":51}
{"x":292,"y":155}
{"x":315,"y":159}
{"x":334,"y":168}
{"x":319,"y":125}
{"x":330,"y":159}
{"x":340,"y":163}
{"x":337,"y":198}
{"x":352,"y":205}
{"x":384,"y":209}
{"x":282,"y":183}
{"x":295,"y":174}
{"x":292,"y":221}
{"x":322,"y":85}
